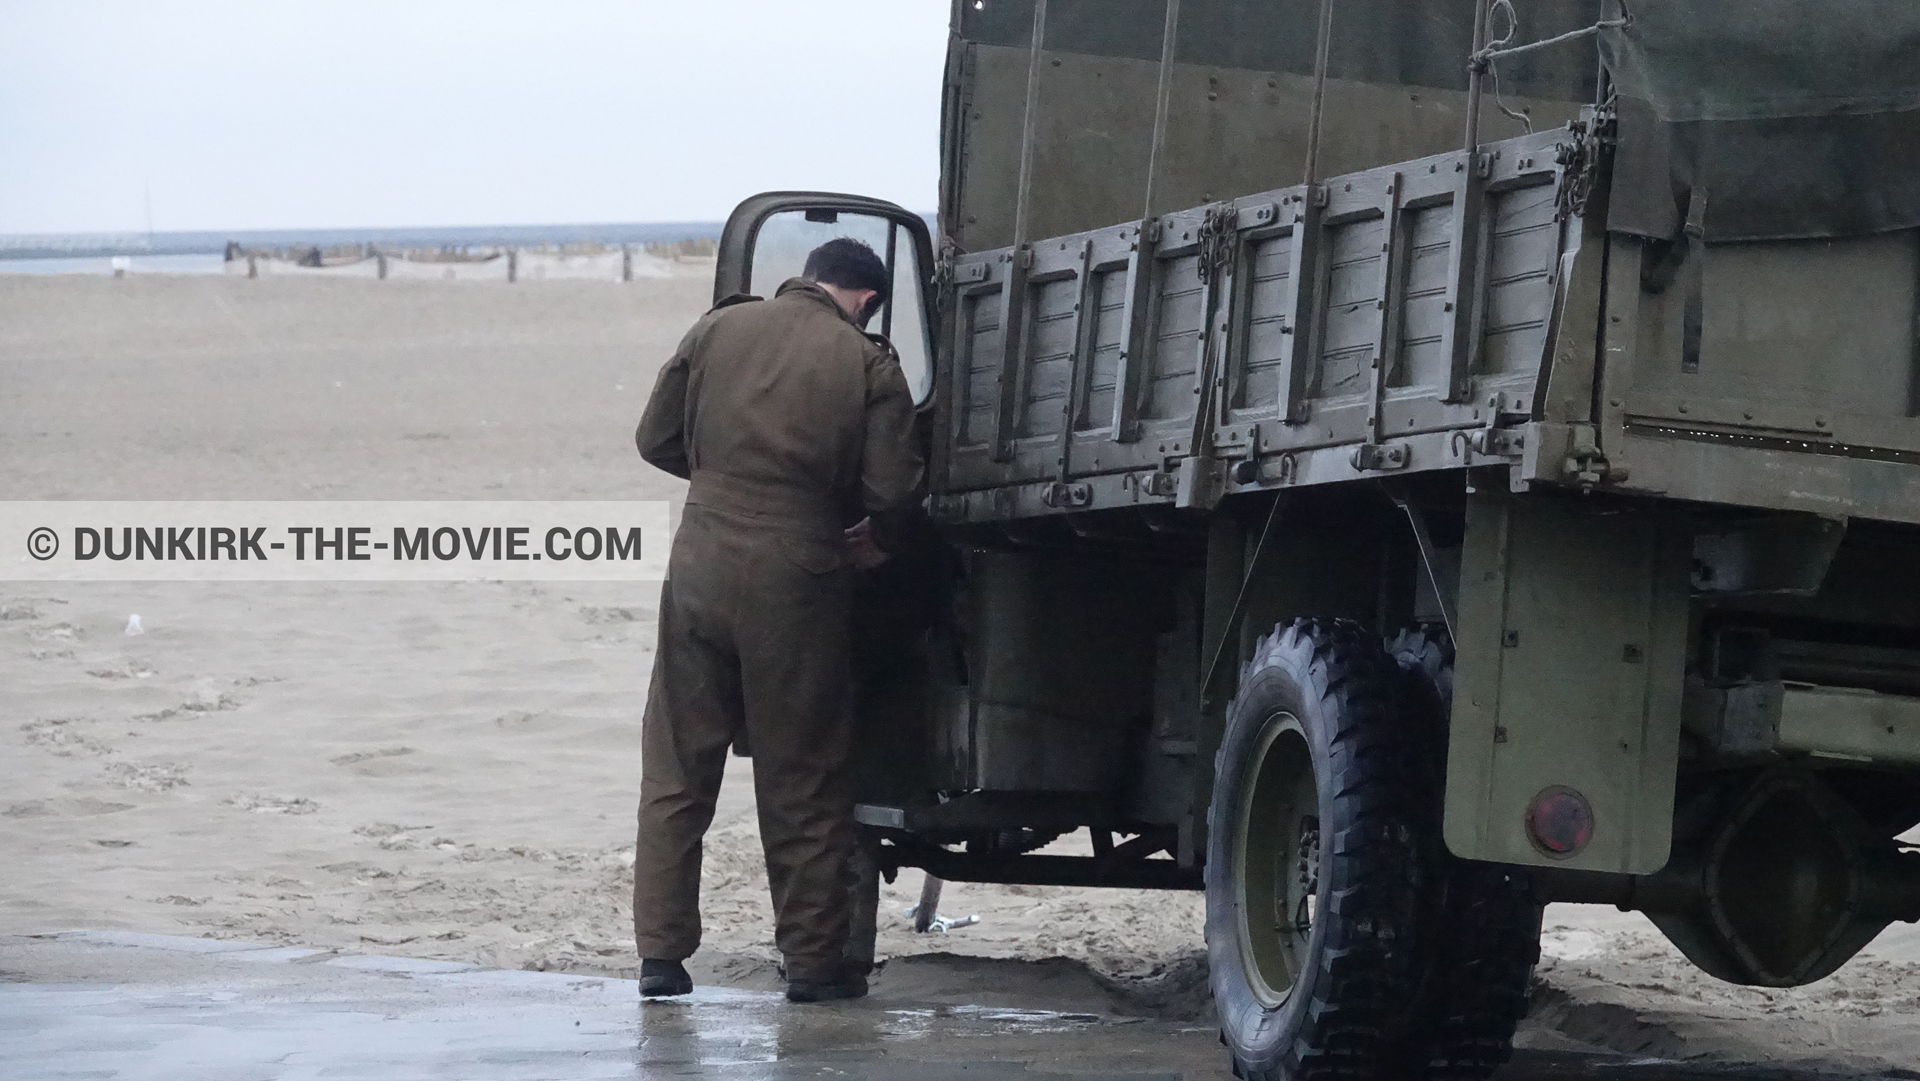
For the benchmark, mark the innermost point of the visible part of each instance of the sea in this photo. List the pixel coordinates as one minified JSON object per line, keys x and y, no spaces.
{"x":105,"y":264}
{"x":203,"y":252}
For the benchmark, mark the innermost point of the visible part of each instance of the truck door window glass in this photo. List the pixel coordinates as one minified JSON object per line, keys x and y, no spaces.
{"x":780,"y":252}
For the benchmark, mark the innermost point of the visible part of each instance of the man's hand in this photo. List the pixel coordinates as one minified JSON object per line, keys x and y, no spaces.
{"x":860,"y":547}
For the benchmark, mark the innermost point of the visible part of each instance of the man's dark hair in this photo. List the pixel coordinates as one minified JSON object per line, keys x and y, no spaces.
{"x":849,"y":264}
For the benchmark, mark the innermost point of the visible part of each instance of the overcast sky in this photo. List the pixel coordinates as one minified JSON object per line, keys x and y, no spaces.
{"x":261,"y":114}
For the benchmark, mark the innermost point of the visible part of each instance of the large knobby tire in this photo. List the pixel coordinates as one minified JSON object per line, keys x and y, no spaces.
{"x":1481,"y":930}
{"x":1315,"y":864}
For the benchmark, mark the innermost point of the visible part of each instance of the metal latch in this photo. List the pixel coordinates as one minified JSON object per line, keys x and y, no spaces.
{"x":1217,"y":230}
{"x":1584,"y":463}
{"x":1567,"y":454}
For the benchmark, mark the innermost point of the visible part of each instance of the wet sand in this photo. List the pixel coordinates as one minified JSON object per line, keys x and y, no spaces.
{"x":449,"y":771}
{"x":111,"y":1005}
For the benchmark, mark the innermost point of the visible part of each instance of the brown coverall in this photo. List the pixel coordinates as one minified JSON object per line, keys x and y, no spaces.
{"x":791,"y":424}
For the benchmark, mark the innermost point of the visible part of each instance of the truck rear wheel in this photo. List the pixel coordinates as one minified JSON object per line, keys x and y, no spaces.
{"x":1483,"y":925}
{"x":1315,"y":870}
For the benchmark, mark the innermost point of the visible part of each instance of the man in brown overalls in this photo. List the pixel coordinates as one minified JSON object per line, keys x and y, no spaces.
{"x":796,"y":430}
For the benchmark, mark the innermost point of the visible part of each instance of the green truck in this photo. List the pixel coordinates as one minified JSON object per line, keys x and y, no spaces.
{"x":1399,"y":463}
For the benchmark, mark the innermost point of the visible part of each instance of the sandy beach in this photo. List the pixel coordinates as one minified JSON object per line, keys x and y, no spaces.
{"x":449,"y":770}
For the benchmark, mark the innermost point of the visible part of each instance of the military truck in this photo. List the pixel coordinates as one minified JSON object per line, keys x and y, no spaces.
{"x":1398,"y":463}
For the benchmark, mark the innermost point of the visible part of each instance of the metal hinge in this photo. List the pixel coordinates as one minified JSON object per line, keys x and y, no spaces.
{"x":1495,"y":442}
{"x":1503,"y":404}
{"x":1160,"y":484}
{"x":1234,"y":442}
{"x":1379,"y":456}
{"x":1061,"y":496}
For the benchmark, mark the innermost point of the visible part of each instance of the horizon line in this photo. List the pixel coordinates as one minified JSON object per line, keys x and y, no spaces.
{"x":213,"y":241}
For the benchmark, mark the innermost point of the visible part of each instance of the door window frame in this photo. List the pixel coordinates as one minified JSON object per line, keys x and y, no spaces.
{"x":733,"y":268}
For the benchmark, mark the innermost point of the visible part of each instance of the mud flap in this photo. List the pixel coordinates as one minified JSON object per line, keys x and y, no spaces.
{"x":1571,"y":658}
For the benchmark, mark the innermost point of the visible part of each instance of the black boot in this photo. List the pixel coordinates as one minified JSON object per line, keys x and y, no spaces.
{"x":659,"y":978}
{"x":845,"y":985}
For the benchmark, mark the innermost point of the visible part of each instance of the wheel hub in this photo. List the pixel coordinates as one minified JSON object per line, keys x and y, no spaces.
{"x":1276,"y":864}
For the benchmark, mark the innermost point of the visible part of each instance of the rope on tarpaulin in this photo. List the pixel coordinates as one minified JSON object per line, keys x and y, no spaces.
{"x":1481,"y":62}
{"x":1496,"y":50}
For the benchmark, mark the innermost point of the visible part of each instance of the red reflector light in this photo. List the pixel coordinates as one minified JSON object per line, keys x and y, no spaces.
{"x":1560,"y":821}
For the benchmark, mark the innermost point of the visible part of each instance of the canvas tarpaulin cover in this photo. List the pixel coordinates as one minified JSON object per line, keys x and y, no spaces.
{"x":1788,"y":118}
{"x":1388,"y":42}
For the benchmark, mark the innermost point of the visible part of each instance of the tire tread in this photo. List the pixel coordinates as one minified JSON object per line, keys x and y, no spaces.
{"x":1346,"y":1030}
{"x":1483,"y":922}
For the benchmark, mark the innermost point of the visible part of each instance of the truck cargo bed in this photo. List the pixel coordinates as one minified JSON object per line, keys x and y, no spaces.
{"x":1453,"y":311}
{"x":1321,"y":335}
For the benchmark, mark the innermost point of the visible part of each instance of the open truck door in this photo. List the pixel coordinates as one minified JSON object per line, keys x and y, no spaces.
{"x":767,"y":239}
